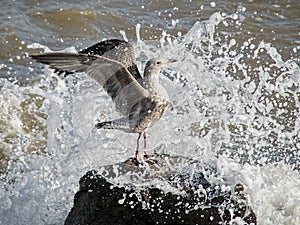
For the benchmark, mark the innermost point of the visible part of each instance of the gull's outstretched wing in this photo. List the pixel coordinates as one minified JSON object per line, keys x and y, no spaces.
{"x":112,"y":75}
{"x":118,"y":50}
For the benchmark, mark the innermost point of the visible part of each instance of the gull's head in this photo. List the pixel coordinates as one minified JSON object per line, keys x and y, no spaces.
{"x":153,"y":66}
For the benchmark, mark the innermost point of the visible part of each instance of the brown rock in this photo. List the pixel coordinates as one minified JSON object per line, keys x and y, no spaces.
{"x":167,"y":190}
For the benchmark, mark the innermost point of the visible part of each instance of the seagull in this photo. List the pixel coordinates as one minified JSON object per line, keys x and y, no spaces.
{"x":141,"y":100}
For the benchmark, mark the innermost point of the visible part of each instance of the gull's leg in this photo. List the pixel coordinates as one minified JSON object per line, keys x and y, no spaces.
{"x":145,"y":139}
{"x":147,"y":154}
{"x":138,"y":157}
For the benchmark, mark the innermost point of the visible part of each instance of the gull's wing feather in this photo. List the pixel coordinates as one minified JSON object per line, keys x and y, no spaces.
{"x":115,"y":49}
{"x":118,"y":50}
{"x":113,"y":76}
{"x":66,"y":62}
{"x":118,"y":82}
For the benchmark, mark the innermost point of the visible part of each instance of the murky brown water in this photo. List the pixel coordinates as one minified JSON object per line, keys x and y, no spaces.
{"x":78,"y":23}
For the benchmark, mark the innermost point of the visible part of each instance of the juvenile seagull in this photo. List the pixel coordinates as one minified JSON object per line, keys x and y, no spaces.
{"x":141,"y":100}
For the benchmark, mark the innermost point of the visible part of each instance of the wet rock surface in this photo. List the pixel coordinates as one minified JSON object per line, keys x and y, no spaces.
{"x":160,"y":192}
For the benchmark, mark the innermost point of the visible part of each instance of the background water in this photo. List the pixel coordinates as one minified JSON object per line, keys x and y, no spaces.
{"x":235,"y":95}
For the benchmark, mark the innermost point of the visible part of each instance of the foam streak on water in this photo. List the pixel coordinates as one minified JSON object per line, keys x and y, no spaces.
{"x":235,"y":106}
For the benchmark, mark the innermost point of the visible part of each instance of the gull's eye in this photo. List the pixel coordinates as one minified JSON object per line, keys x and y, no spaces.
{"x":158,"y":62}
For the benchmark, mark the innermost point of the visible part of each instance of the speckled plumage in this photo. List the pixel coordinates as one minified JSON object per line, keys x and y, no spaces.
{"x":141,"y":100}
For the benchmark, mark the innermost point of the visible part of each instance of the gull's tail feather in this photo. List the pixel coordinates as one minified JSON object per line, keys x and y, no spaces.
{"x":119,"y":124}
{"x":104,"y":125}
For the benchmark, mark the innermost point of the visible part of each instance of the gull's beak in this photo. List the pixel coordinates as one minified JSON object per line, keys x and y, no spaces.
{"x":171,"y":60}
